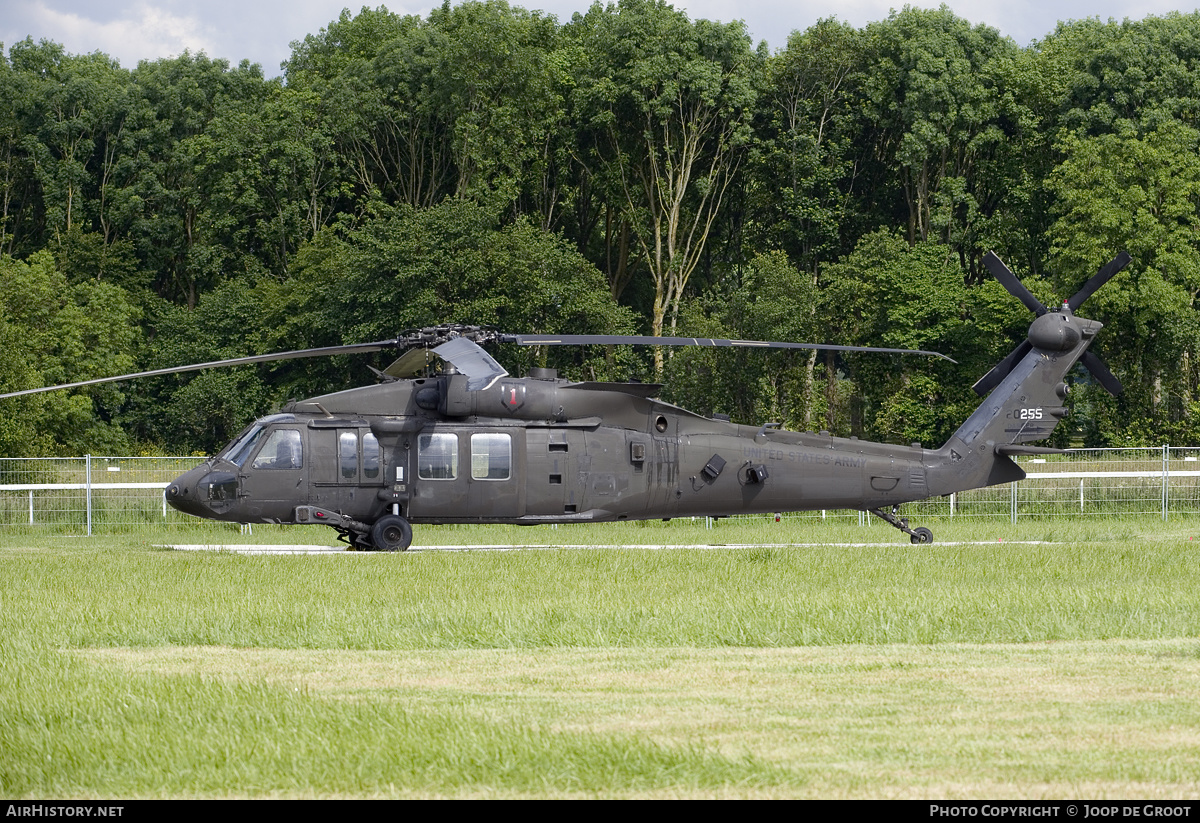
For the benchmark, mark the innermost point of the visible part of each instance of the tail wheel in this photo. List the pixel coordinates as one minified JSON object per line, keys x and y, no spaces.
{"x":391,"y":533}
{"x":922,"y":535}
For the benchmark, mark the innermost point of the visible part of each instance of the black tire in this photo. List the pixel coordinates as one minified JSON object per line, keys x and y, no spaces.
{"x":922,"y":535}
{"x":391,"y":533}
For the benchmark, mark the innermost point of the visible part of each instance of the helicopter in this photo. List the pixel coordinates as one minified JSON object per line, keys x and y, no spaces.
{"x":470,"y":443}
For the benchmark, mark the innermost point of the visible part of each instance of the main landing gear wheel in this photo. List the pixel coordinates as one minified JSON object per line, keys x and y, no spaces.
{"x":391,"y":533}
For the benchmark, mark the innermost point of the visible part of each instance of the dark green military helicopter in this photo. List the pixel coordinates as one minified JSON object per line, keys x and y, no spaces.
{"x":472,"y":444}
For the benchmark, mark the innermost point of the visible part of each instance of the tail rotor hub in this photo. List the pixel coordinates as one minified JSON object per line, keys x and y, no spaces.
{"x":1055,"y":331}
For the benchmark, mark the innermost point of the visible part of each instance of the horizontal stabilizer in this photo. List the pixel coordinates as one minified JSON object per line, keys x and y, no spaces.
{"x":1016,"y":449}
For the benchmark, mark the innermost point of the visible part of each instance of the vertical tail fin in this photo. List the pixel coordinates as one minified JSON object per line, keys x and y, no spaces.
{"x":1025,"y":391}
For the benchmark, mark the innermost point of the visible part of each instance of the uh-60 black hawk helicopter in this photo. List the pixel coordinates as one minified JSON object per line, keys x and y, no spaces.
{"x":473,"y":444}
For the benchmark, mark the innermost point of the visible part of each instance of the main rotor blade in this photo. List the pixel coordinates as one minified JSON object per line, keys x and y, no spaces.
{"x":479,"y":367}
{"x":409,"y":364}
{"x":648,"y":340}
{"x":1014,"y":286}
{"x":1099,"y":279}
{"x":1103,"y":376}
{"x":235,"y":361}
{"x":482,"y":372}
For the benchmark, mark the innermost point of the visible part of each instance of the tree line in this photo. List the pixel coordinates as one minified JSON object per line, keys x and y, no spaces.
{"x":629,"y":170}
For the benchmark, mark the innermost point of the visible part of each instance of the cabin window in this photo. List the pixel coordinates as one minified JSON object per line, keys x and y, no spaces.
{"x":437,"y":456}
{"x":491,"y":456}
{"x":370,"y":456}
{"x":348,"y":455}
{"x":281,"y":451}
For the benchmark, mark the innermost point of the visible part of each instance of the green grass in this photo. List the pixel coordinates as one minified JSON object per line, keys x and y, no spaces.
{"x":999,"y":668}
{"x":838,"y":527}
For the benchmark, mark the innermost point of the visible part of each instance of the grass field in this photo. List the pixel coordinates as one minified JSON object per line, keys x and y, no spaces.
{"x":997,"y":668}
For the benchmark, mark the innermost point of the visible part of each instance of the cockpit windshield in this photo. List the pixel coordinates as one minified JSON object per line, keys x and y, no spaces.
{"x":237,"y":451}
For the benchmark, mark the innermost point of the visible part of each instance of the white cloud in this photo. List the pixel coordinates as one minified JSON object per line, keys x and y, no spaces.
{"x":262,"y":30}
{"x":140,"y":31}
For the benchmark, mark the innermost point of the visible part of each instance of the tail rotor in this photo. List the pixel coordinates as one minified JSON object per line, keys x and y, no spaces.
{"x":1044,"y":333}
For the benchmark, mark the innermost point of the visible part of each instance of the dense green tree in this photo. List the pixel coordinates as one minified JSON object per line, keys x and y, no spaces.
{"x":1141,"y":194}
{"x":937,"y":116}
{"x":804,"y":172}
{"x":773,"y":301}
{"x":268,"y":171}
{"x":457,"y":262}
{"x":20,"y":219}
{"x":466,"y":103}
{"x":892,"y":294}
{"x":668,"y":103}
{"x":201,"y":411}
{"x":60,"y":333}
{"x":371,"y":75}
{"x":172,"y":180}
{"x":1100,"y":74}
{"x":80,"y":109}
{"x":483,"y":163}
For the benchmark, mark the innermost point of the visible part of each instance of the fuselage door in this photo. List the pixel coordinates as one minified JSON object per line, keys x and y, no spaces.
{"x":272,"y":477}
{"x":465,"y":475}
{"x":439,"y":486}
{"x":346,"y":469}
{"x":497,"y":482}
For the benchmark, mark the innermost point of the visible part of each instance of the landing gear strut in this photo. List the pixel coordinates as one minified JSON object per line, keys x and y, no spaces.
{"x":358,"y":541}
{"x":390,"y":533}
{"x":918,"y":535}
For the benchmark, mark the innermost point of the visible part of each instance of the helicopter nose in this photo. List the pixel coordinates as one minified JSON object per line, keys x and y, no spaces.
{"x":189,"y":492}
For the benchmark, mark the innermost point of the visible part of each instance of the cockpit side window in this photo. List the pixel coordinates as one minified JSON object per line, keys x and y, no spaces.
{"x":281,"y":451}
{"x":243,"y":446}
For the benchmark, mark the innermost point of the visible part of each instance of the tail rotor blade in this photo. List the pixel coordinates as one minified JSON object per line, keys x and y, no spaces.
{"x":1103,"y":376}
{"x":1099,"y":279}
{"x":1014,"y":286}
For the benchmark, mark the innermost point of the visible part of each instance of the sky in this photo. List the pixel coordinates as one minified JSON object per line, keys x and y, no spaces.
{"x":262,"y":30}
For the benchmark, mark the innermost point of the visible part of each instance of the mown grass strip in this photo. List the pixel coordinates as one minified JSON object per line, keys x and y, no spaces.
{"x":952,"y":720}
{"x":1055,"y":669}
{"x":78,"y":730}
{"x":815,"y":595}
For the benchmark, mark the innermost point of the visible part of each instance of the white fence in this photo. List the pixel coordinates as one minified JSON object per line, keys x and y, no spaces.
{"x":1160,"y":481}
{"x":114,"y":494}
{"x":88,"y":493}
